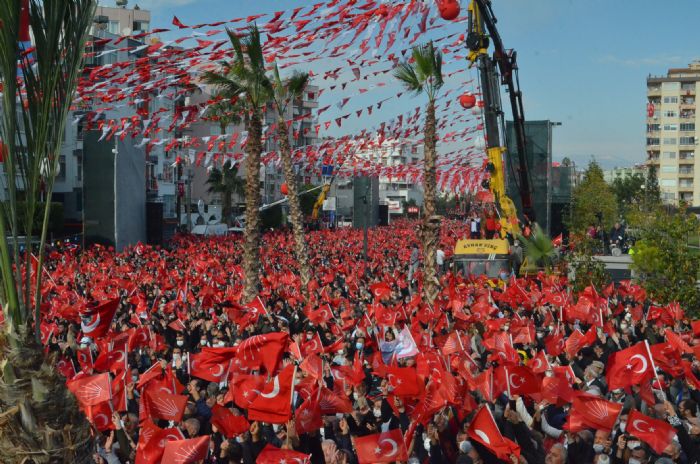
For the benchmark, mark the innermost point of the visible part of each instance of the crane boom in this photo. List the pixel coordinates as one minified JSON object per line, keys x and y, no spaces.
{"x":482,"y":27}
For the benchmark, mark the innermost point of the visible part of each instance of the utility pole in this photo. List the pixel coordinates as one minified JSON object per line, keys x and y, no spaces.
{"x":178,"y":197}
{"x":188,"y":200}
{"x":366,"y":219}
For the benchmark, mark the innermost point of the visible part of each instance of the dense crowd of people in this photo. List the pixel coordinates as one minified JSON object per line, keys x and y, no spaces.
{"x":170,"y":366}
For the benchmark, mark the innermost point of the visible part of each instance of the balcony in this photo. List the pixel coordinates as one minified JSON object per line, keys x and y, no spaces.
{"x":653,"y":91}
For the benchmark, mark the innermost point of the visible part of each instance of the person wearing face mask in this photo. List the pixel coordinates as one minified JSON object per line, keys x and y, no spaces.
{"x":690,"y":448}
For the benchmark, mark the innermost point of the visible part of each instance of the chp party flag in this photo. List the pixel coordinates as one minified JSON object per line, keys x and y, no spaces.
{"x":631,"y":366}
{"x":229,"y":424}
{"x":91,"y":390}
{"x":381,"y":447}
{"x":593,"y":412}
{"x":656,"y":433}
{"x":186,"y":451}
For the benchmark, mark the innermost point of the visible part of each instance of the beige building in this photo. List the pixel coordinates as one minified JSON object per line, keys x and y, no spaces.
{"x":671,"y":132}
{"x":121,"y":20}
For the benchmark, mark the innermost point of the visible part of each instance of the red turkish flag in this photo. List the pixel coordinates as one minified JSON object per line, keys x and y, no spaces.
{"x":152,"y":441}
{"x":84,"y":356}
{"x":381,"y":447}
{"x":629,"y":367}
{"x":539,"y":363}
{"x":229,"y":424}
{"x":595,"y":412}
{"x":554,"y":344}
{"x":557,"y":390}
{"x":656,"y":433}
{"x":404,"y":381}
{"x":95,"y":321}
{"x":100,"y":415}
{"x":332,"y":403}
{"x":483,"y":429}
{"x":307,"y":418}
{"x":521,"y":380}
{"x":91,"y":390}
{"x":112,"y":361}
{"x":161,"y":405}
{"x":262,"y":350}
{"x":380,"y":291}
{"x":313,"y":346}
{"x":208,"y":366}
{"x":139,"y":337}
{"x":66,"y":368}
{"x":667,"y":358}
{"x":243,"y":388}
{"x":273,"y":455}
{"x":186,"y":451}
{"x":677,"y":342}
{"x":273,"y":403}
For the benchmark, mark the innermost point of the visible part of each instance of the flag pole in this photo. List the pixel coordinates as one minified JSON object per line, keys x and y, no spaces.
{"x":653,"y":366}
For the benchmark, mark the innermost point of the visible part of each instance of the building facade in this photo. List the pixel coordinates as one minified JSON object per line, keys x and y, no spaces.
{"x":671,"y":139}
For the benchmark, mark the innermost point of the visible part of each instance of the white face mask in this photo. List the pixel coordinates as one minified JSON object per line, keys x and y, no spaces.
{"x":623,"y":326}
{"x":634,"y":461}
{"x":203,"y":342}
{"x":623,"y":426}
{"x":633,"y":444}
{"x":598,"y":448}
{"x":180,"y":342}
{"x":377,"y":413}
{"x":219,"y":344}
{"x":426,"y":443}
{"x":340,"y":352}
{"x":464,"y":446}
{"x":355,"y":396}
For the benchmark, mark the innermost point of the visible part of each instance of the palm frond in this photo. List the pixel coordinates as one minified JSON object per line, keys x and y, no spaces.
{"x":405,"y":73}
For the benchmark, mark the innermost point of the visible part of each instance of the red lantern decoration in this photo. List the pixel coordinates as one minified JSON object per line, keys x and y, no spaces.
{"x":467,"y":101}
{"x":480,"y":103}
{"x":284,"y":190}
{"x":650,"y":110}
{"x":449,"y":9}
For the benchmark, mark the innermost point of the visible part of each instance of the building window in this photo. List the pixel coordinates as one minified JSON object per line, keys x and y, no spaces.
{"x":652,"y":141}
{"x":669,"y":155}
{"x":668,"y":196}
{"x":670,"y":99}
{"x":670,"y":114}
{"x":650,"y":128}
{"x":668,"y":169}
{"x":688,"y":126}
{"x":114,"y":27}
{"x":685,"y":170}
{"x":79,"y":165}
{"x":670,"y":140}
{"x":687,"y":141}
{"x":62,"y":166}
{"x":670,"y":127}
{"x":141,"y":26}
{"x":668,"y":182}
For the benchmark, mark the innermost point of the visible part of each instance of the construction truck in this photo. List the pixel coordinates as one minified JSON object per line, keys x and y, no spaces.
{"x":491,"y":256}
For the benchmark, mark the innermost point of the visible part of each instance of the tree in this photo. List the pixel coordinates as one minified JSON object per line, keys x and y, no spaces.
{"x":593,"y":201}
{"x":39,"y":418}
{"x":587,"y":271}
{"x":666,"y":266}
{"x":538,"y":248}
{"x":285,"y":92}
{"x":425,"y":75}
{"x":245,"y":77}
{"x":225,"y":182}
{"x":629,"y":191}
{"x":652,"y":192}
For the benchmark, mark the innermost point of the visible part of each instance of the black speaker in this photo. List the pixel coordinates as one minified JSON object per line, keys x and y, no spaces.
{"x":383,"y":215}
{"x":154,"y":223}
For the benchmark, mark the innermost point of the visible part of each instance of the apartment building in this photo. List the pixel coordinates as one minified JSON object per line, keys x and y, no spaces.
{"x":671,"y":140}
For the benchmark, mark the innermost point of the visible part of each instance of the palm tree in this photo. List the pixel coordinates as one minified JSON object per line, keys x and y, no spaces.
{"x":425,"y":75}
{"x":244,"y":76}
{"x":39,"y":418}
{"x":285,"y":92}
{"x":539,"y":250}
{"x":225,"y":182}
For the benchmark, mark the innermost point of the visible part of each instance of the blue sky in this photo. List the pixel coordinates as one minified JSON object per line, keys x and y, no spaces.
{"x":582,"y":63}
